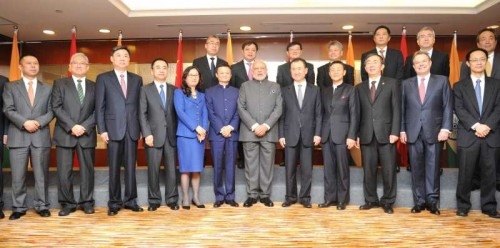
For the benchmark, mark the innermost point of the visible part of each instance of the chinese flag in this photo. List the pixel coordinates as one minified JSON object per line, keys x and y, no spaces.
{"x":14,"y":71}
{"x":179,"y":67}
{"x":404,"y":47}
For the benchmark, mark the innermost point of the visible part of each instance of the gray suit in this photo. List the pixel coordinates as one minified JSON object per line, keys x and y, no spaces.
{"x":162,"y":124}
{"x":70,"y":112}
{"x":24,"y":145}
{"x":259,"y":102}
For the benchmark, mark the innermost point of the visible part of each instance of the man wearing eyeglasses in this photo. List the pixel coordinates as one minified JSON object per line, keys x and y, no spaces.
{"x":73,"y":101}
{"x":477,"y":105}
{"x":207,"y":64}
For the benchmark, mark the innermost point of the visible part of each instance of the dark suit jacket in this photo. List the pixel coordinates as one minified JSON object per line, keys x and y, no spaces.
{"x":154,"y":119}
{"x":284,"y":77}
{"x":434,"y":114}
{"x":116,"y":114}
{"x":440,"y":65}
{"x":467,"y":111}
{"x":17,"y":108}
{"x":3,"y":120}
{"x":381,"y":118}
{"x":69,"y":112}
{"x":495,"y":68}
{"x":300,"y":123}
{"x":393,"y":64}
{"x":239,"y":74}
{"x":340,"y":114}
{"x":222,"y":106}
{"x":324,"y":81}
{"x":207,"y":80}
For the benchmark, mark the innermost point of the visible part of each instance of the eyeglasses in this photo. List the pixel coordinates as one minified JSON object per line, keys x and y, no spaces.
{"x":80,"y":64}
{"x":481,"y":60}
{"x":193,"y":75}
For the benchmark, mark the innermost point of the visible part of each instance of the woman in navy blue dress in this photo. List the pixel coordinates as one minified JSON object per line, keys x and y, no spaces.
{"x":192,"y":129}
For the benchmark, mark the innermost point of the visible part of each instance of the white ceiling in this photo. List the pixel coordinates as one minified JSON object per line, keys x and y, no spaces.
{"x":200,"y":18}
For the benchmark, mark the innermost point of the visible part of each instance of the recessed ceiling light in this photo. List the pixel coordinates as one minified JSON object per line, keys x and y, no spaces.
{"x":49,"y":32}
{"x":493,"y":26}
{"x":245,"y":28}
{"x":104,"y":31}
{"x":347,"y":27}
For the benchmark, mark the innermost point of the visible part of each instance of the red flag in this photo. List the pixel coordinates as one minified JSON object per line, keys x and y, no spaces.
{"x":350,"y":52}
{"x":454,"y":62}
{"x":120,"y":36}
{"x":72,"y":48}
{"x":229,"y":48}
{"x":404,"y":47}
{"x":14,"y":71}
{"x":179,"y":67}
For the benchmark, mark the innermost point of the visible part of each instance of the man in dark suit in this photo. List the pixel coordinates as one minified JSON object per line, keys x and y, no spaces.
{"x":158,"y":121}
{"x":335,"y":52}
{"x":26,"y":103}
{"x":242,"y":72}
{"x":293,"y":51}
{"x":427,"y":118}
{"x":117,"y":111}
{"x":477,"y":105}
{"x":393,"y":59}
{"x":299,"y":132}
{"x":487,"y":40}
{"x":207,"y":64}
{"x":340,"y":111}
{"x":3,"y":133}
{"x":440,"y":61}
{"x":222,"y":106}
{"x":259,"y":114}
{"x":380,"y":117}
{"x":73,"y":103}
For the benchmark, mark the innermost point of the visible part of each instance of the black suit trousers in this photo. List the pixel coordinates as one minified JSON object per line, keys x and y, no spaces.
{"x":155,"y":156}
{"x":336,"y":172}
{"x":305,"y":154}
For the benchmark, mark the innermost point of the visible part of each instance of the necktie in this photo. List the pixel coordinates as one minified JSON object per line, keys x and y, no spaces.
{"x":123,"y":85}
{"x":212,"y":66}
{"x":372,"y":91}
{"x":31,"y":92}
{"x":382,"y":53}
{"x":421,"y":90}
{"x":250,"y":76}
{"x":79,"y":89}
{"x":478,"y":96}
{"x":162,"y":96}
{"x":488,"y":68}
{"x":300,"y":95}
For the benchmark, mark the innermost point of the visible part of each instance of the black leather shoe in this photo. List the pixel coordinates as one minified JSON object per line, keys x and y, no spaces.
{"x":153,"y":207}
{"x":197,"y":205}
{"x":341,"y":206}
{"x":217,"y":204}
{"x":398,"y":169}
{"x":267,"y":202}
{"x":44,"y":213}
{"x":408,"y":168}
{"x":440,"y":171}
{"x":288,"y":203}
{"x":113,"y":211}
{"x":327,"y":204}
{"x":417,"y":209}
{"x":87,"y":209}
{"x":16,"y":215}
{"x":369,"y":205}
{"x":232,"y":203}
{"x":249,"y":202}
{"x":388,"y":209}
{"x":240,"y":164}
{"x":66,"y":211}
{"x":462,"y":213}
{"x":134,"y":208}
{"x":2,"y":215}
{"x":173,"y":206}
{"x":306,"y":204}
{"x":493,"y":214}
{"x":186,"y":207}
{"x":433,"y":208}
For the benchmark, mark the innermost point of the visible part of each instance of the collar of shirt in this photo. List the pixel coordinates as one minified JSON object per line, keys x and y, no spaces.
{"x":491,"y":56}
{"x":379,"y":49}
{"x":483,"y":80}
{"x":426,"y":81}
{"x":246,"y":64}
{"x":223,"y":85}
{"x":429,"y":52}
{"x":35,"y":82}
{"x":377,"y":80}
{"x":158,"y":86}
{"x":296,"y":85}
{"x":120,"y":73}
{"x":335,"y":87}
{"x":76,"y":83}
{"x":210,"y":61}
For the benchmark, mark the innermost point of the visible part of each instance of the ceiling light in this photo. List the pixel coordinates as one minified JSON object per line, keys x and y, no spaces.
{"x":104,"y":31}
{"x":347,"y":27}
{"x":493,"y":26}
{"x":245,"y":28}
{"x":49,"y":32}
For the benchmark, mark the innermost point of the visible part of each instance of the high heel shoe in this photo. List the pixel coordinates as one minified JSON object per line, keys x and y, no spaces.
{"x":197,"y":205}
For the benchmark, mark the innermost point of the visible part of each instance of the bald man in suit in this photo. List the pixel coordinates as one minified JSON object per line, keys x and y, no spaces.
{"x":73,"y":103}
{"x":27,"y":106}
{"x":207,"y":64}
